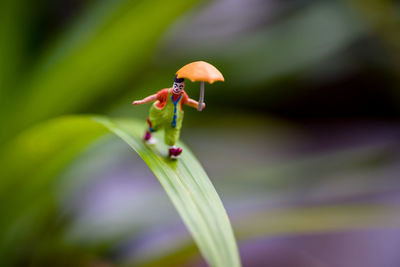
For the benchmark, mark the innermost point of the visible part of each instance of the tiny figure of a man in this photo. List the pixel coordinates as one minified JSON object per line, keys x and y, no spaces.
{"x":166,"y":113}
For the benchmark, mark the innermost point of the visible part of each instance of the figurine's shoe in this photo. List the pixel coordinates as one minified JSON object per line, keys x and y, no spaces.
{"x":175,"y":153}
{"x":149,"y":139}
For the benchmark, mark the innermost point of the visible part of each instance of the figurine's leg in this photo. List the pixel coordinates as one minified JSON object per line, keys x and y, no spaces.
{"x":171,"y":138}
{"x":148,"y":138}
{"x":155,"y":121}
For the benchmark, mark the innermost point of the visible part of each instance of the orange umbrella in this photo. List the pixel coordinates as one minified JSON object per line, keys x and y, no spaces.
{"x":200,"y":71}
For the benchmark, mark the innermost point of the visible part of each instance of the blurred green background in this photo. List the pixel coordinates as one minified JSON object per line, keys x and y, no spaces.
{"x":301,"y":140}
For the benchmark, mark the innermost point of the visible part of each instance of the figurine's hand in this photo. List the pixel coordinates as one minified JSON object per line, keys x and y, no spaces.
{"x":136,"y":102}
{"x":203,"y":106}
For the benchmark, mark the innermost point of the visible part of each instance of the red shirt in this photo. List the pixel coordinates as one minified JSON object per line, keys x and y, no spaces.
{"x":162,"y":97}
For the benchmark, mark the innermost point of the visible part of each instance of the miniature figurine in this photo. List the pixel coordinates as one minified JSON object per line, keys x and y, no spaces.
{"x":166,"y":113}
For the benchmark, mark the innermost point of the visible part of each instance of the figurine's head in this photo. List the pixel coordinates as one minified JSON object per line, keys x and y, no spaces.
{"x":179,"y":85}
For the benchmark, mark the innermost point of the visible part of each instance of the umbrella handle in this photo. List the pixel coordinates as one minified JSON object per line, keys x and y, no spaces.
{"x":201,"y":100}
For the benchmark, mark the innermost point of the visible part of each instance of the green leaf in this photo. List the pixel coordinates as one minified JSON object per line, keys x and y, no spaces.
{"x":192,"y":193}
{"x":184,"y":180}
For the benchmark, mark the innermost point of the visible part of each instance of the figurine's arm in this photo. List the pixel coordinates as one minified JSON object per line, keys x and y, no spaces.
{"x":194,"y":104}
{"x":148,"y":99}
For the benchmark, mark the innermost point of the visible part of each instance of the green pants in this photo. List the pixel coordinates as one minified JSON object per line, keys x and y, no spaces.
{"x":162,"y":119}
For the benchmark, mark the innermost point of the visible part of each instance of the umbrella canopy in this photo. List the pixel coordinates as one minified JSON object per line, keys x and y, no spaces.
{"x":200,"y":71}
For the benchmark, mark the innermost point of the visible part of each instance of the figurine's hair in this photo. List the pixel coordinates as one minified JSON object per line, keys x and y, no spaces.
{"x":178,"y":80}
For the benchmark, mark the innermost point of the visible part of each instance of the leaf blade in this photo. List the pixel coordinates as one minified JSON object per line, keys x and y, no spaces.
{"x":189,"y":192}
